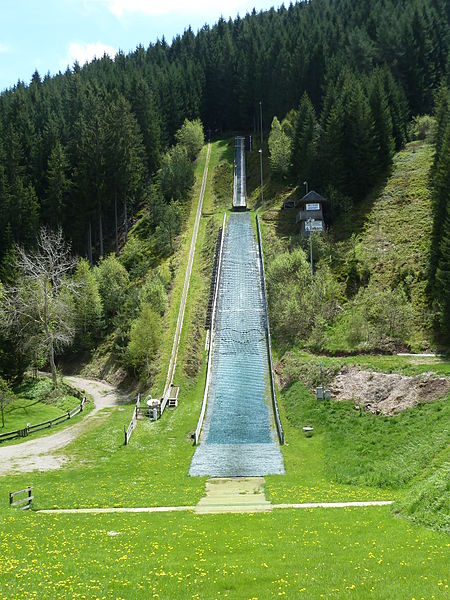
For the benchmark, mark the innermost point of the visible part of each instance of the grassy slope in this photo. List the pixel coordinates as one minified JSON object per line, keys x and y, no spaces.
{"x":365,"y":552}
{"x":393,"y":235}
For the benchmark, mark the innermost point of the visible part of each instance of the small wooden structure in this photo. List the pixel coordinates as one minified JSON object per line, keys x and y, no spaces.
{"x":310,"y":216}
{"x":23,"y":503}
{"x":173,"y":396}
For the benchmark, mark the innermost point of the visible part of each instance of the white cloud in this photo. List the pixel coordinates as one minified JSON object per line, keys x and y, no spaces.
{"x":85,"y":52}
{"x":164,"y":7}
{"x":4,"y":48}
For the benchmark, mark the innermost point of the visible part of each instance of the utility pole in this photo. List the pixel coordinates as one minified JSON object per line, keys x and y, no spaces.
{"x":261,"y":122}
{"x":261,"y":169}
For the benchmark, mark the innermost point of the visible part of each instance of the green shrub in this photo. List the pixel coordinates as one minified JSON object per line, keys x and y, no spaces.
{"x":113,"y":281}
{"x":88,"y":306}
{"x":190,"y":136}
{"x":145,"y":337}
{"x":136,"y":257}
{"x":154,"y":293}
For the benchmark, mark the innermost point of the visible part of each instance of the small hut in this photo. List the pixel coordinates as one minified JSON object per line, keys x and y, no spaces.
{"x":310,"y":215}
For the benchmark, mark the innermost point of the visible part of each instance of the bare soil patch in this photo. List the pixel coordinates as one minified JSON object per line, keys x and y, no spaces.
{"x":387,"y":393}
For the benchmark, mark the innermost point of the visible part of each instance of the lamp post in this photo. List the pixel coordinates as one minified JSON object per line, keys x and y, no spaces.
{"x":261,"y":169}
{"x":261,"y":121}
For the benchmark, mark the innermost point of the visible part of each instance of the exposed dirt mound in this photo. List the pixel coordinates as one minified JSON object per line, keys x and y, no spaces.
{"x":387,"y":393}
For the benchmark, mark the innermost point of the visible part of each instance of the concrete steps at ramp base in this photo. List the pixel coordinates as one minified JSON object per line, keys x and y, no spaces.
{"x":234,"y":495}
{"x":237,"y":460}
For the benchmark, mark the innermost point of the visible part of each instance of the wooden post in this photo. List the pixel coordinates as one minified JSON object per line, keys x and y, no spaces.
{"x":29,"y":496}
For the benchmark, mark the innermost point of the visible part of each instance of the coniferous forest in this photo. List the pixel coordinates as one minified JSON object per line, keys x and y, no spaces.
{"x":84,"y":150}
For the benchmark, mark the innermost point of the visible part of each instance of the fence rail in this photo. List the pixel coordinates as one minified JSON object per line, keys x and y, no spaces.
{"x":132,"y":426}
{"x":22,"y":503}
{"x":269,"y":344}
{"x":211,"y":339}
{"x":25,"y":432}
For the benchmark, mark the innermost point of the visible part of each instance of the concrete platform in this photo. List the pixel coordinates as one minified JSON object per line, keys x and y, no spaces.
{"x":234,"y":495}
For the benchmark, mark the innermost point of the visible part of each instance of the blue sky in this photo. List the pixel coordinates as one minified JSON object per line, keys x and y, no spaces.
{"x":47,"y":35}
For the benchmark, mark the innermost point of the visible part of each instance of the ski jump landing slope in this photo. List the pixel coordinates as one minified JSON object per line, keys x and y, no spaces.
{"x":239,"y":438}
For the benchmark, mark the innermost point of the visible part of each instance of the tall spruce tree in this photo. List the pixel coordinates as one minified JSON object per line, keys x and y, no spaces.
{"x":58,"y":187}
{"x":304,"y":148}
{"x":442,"y":234}
{"x":379,"y":106}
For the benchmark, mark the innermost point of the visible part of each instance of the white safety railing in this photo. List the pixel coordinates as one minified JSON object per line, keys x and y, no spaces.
{"x":211,"y":340}
{"x":269,"y":344}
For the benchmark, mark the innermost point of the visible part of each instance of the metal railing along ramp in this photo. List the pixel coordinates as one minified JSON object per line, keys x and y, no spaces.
{"x":239,"y":437}
{"x":239,"y":180}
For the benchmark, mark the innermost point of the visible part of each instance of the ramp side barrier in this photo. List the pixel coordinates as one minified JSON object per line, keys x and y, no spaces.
{"x":269,"y":344}
{"x":211,"y":340}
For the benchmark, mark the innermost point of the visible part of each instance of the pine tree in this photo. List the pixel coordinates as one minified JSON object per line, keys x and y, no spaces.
{"x":58,"y":187}
{"x":384,"y":141}
{"x":398,"y":107}
{"x":443,"y":277}
{"x":124,"y":156}
{"x":441,"y":193}
{"x":144,"y":107}
{"x":304,"y":144}
{"x":279,"y":149}
{"x":440,"y":173}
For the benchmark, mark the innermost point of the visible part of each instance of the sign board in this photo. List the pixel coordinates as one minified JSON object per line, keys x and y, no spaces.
{"x":313,"y":225}
{"x":314,"y":206}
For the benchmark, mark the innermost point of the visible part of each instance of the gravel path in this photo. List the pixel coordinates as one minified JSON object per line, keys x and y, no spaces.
{"x":35,"y":454}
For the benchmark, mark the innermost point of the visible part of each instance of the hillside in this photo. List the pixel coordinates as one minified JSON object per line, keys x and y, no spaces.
{"x":377,"y":249}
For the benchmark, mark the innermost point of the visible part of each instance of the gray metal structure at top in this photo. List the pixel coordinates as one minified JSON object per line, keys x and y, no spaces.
{"x":239,"y":187}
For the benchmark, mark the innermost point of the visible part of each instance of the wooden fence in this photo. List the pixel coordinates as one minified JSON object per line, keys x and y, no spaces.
{"x":22,"y":503}
{"x":132,"y":426}
{"x":26,"y":431}
{"x":269,"y":344}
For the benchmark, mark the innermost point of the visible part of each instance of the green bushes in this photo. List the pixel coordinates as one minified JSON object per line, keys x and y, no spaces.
{"x":299,"y":306}
{"x":374,"y":320}
{"x":145,"y":336}
{"x":88,"y":307}
{"x":190,"y":136}
{"x":113,"y":281}
{"x":176,"y":175}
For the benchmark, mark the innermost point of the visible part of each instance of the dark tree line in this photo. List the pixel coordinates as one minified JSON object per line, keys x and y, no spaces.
{"x":350,"y":144}
{"x":80,"y":149}
{"x":440,"y":250}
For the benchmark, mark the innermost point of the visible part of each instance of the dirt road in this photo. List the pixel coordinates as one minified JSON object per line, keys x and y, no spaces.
{"x":36,"y":454}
